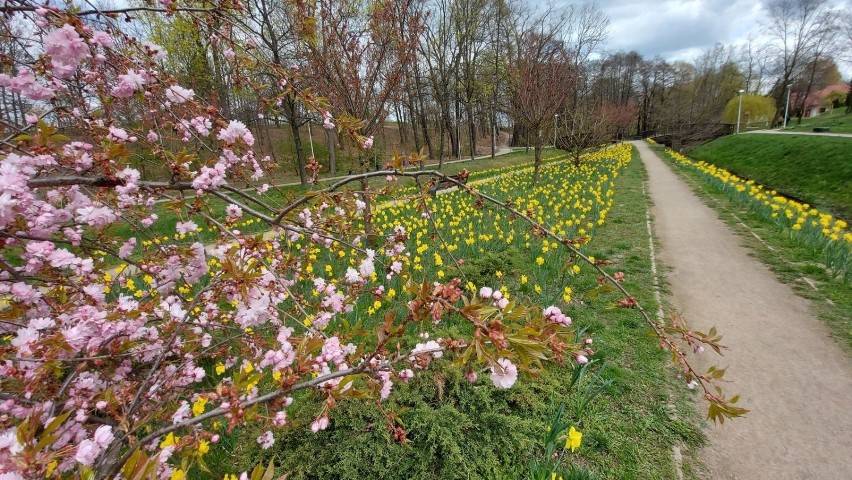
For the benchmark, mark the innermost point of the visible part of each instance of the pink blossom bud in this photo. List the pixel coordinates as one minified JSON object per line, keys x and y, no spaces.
{"x":503,"y":303}
{"x":486,"y":292}
{"x":497,"y":295}
{"x":471,"y":376}
{"x":581,"y":359}
{"x":214,"y":438}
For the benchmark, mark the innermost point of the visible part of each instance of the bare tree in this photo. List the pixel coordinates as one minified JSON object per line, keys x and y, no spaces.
{"x":794,"y":26}
{"x":542,"y":82}
{"x":587,"y":127}
{"x":357,"y":60}
{"x":586,"y":29}
{"x":754,"y":63}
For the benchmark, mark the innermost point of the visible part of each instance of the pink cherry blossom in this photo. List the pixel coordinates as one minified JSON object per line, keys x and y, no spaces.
{"x":327,"y":120}
{"x":25,"y":83}
{"x":66,"y":49}
{"x":236,"y":130}
{"x":505,"y":374}
{"x":186,"y":227}
{"x":104,"y":436}
{"x":101,"y":38}
{"x":155,"y":51}
{"x":87,"y":452}
{"x":319,"y":424}
{"x":177,"y":94}
{"x":128,"y":84}
{"x":266,"y":440}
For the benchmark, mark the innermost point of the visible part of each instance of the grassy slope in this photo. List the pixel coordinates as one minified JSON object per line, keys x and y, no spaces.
{"x":816,"y":170}
{"x":458,"y":430}
{"x":837,"y":120}
{"x":792,"y":262}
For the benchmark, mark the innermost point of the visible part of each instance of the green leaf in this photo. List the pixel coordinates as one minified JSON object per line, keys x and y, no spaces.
{"x":270,"y":470}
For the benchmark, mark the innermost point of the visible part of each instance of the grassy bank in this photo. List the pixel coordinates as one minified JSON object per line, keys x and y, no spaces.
{"x":795,"y":263}
{"x":459,"y":430}
{"x":837,"y":120}
{"x":813,"y":169}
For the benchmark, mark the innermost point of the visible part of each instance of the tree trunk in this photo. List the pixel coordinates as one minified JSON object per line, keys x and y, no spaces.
{"x":300,"y":153}
{"x":472,"y":129}
{"x":332,"y":157}
{"x":369,"y":239}
{"x":441,"y":147}
{"x":537,"y":163}
{"x":451,"y":131}
{"x":424,"y":123}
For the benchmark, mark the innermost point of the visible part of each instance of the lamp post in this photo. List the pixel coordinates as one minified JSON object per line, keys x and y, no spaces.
{"x":740,"y":110}
{"x":787,"y":106}
{"x":555,"y":125}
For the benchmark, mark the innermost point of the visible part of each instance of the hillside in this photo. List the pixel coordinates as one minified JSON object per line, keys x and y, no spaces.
{"x":817,"y":170}
{"x":836,"y":120}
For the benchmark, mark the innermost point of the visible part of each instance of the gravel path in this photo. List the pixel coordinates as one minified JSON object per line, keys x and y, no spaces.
{"x":794,"y":132}
{"x":796,"y":381}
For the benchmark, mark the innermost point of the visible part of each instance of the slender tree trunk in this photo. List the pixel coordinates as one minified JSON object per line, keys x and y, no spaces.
{"x":291,"y":112}
{"x":451,"y":131}
{"x":332,"y":156}
{"x":537,"y":163}
{"x":401,"y":126}
{"x":424,"y":123}
{"x":457,"y":153}
{"x":300,"y":153}
{"x":369,"y":239}
{"x":472,"y":129}
{"x":441,"y":147}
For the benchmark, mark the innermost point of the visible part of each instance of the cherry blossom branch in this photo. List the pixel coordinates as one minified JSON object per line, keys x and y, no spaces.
{"x":110,"y":12}
{"x":103,"y":182}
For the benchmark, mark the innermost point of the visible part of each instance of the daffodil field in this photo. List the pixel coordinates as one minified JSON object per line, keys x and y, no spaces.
{"x":449,"y":236}
{"x":803,"y":223}
{"x":452,"y":231}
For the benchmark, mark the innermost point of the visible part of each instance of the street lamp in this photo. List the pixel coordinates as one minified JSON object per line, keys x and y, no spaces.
{"x":555,"y":125}
{"x":787,"y":107}
{"x":739,"y":110}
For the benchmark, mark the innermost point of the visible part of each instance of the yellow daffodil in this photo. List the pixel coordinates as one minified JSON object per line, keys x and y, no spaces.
{"x":169,"y":440}
{"x":575,"y":438}
{"x":198,"y":406}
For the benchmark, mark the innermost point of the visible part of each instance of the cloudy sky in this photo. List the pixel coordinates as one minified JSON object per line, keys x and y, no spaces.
{"x":680,"y":29}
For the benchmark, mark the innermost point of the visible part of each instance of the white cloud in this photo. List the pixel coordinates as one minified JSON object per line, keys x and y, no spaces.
{"x":681,"y":29}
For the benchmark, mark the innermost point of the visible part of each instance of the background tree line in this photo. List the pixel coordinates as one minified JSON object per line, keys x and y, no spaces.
{"x":459,"y":78}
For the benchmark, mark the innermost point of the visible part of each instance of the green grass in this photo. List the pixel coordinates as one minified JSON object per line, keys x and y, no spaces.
{"x":837,"y":120}
{"x":793,"y":262}
{"x":458,"y":430}
{"x":815,"y":170}
{"x":170,"y":213}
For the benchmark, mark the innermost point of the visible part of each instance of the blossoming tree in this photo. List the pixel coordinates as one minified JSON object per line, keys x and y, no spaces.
{"x":121,"y":353}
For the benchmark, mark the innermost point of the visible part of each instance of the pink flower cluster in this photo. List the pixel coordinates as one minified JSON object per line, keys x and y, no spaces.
{"x":66,"y":49}
{"x":554,"y":315}
{"x":499,"y":301}
{"x":504,"y":374}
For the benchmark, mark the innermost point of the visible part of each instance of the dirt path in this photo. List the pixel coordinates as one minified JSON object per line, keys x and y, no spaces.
{"x":794,"y":378}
